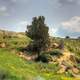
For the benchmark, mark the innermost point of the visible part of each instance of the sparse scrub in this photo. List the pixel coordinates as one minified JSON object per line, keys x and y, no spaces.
{"x":44,"y":57}
{"x":20,"y":69}
{"x":56,"y":52}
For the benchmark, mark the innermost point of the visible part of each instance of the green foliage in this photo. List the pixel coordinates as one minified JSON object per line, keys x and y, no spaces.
{"x":67,"y":37}
{"x":19,"y":69}
{"x":14,"y":41}
{"x":16,"y":66}
{"x":55,"y":52}
{"x":38,"y":32}
{"x":73,"y":45}
{"x":47,"y":56}
{"x":44,"y":58}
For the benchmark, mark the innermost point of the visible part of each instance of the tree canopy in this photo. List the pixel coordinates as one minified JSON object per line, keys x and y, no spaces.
{"x":38,"y":32}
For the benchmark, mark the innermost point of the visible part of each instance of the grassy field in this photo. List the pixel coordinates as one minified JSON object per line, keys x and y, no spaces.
{"x":12,"y":67}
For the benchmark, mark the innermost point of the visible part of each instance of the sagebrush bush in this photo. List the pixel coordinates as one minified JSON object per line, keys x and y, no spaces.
{"x":56,"y":52}
{"x":44,"y":58}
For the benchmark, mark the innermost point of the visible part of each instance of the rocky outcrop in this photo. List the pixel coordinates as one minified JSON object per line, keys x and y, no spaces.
{"x":68,"y":62}
{"x":26,"y":57}
{"x":2,"y":45}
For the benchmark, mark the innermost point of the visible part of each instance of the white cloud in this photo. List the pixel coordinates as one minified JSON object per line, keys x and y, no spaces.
{"x":73,"y":24}
{"x":21,"y":26}
{"x":4,"y":11}
{"x":52,"y":31}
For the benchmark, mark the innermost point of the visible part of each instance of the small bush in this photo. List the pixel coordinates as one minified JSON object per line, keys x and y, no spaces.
{"x":44,"y":58}
{"x":3,"y":75}
{"x":55,"y":53}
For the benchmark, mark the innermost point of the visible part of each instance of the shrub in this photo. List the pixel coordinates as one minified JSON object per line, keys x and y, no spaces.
{"x":67,"y":37}
{"x":44,"y":58}
{"x":38,"y":32}
{"x":55,"y":52}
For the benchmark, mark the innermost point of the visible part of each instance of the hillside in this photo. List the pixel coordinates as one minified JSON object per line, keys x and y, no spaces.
{"x":73,"y":45}
{"x":12,"y":67}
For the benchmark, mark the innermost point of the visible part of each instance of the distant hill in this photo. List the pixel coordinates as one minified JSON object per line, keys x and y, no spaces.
{"x":11,"y":33}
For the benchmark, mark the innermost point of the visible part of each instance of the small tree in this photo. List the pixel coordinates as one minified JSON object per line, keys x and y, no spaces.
{"x":78,"y":37}
{"x":67,"y":37}
{"x":38,"y":32}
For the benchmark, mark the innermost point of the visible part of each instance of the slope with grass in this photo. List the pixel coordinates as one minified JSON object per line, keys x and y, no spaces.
{"x":15,"y":68}
{"x":12,"y":67}
{"x":73,"y":45}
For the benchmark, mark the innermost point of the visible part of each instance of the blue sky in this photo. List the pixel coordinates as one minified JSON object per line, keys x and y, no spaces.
{"x":62,"y":16}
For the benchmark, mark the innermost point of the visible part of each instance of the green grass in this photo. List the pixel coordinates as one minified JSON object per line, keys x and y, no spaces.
{"x":73,"y":45}
{"x":16,"y":68}
{"x":19,"y":69}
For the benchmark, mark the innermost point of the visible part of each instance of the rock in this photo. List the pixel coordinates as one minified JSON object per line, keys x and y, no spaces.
{"x":55,"y":45}
{"x":26,"y":57}
{"x":63,"y":69}
{"x":75,"y":70}
{"x":73,"y":59}
{"x":2,"y":45}
{"x":20,"y":54}
{"x":68,"y":62}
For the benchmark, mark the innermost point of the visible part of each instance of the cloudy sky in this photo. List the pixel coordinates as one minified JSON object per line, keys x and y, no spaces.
{"x":62,"y":16}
